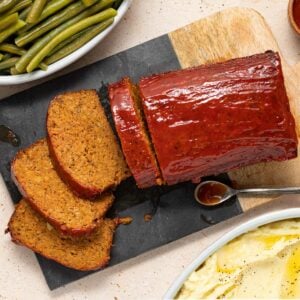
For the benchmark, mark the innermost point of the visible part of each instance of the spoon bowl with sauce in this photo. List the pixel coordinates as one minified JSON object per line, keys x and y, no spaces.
{"x":213,"y":193}
{"x":294,"y":15}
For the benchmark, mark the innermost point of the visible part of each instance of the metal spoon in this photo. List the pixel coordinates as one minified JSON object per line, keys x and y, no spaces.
{"x":212,"y":193}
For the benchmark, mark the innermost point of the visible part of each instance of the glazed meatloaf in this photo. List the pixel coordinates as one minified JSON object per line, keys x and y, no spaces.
{"x":129,"y":123}
{"x":29,"y":229}
{"x":82,"y":144}
{"x":215,"y":118}
{"x":34,"y":174}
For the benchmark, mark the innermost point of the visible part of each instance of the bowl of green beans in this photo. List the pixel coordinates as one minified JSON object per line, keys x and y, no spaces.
{"x":41,"y":37}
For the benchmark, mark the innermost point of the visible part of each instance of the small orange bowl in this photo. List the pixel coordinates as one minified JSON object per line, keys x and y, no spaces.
{"x":294,"y":5}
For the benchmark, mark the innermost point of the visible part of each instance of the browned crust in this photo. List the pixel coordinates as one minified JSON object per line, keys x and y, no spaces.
{"x":101,"y":264}
{"x":79,"y":189}
{"x":62,"y":228}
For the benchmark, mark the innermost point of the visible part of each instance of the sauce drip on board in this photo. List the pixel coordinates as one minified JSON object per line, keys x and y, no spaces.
{"x":8,"y":136}
{"x":296,"y":12}
{"x":211,"y":193}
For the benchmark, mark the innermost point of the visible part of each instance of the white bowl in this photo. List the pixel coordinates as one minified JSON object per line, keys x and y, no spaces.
{"x":243,"y":228}
{"x":18,"y":79}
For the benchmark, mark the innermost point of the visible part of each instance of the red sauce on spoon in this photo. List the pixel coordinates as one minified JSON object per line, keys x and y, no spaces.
{"x":211,"y":193}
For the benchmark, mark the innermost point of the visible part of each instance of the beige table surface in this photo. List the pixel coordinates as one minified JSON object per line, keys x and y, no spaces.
{"x":147,"y":276}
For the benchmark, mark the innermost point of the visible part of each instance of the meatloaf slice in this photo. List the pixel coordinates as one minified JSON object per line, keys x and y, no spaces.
{"x":126,"y":110}
{"x":36,"y":178}
{"x":29,"y":229}
{"x":82,"y":144}
{"x":214,"y":118}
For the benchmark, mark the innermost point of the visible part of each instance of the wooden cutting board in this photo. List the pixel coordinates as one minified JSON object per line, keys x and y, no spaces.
{"x":233,"y":33}
{"x":229,"y":34}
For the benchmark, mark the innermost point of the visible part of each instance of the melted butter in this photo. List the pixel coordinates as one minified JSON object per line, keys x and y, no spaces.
{"x":291,"y":285}
{"x":224,"y":269}
{"x":270,"y":240}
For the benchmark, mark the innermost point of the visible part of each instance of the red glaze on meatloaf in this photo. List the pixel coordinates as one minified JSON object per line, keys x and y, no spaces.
{"x":215,"y":118}
{"x":136,"y":146}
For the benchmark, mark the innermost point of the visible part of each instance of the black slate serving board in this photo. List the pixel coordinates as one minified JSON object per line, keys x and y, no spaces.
{"x":177,"y":213}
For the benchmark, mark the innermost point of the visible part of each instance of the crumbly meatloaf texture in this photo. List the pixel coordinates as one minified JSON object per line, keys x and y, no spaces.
{"x":215,"y":118}
{"x":82,"y":144}
{"x":38,"y":181}
{"x":29,"y":229}
{"x":136,"y":145}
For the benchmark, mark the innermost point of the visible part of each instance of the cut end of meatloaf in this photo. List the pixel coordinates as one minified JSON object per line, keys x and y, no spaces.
{"x":82,"y":144}
{"x":36,"y":178}
{"x":29,"y":229}
{"x":130,"y":125}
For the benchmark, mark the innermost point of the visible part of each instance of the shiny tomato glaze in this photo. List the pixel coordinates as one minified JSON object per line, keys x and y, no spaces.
{"x":214,"y":118}
{"x":137,"y":152}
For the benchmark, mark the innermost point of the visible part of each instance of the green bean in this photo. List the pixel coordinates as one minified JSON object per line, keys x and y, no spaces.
{"x":99,"y":6}
{"x":89,"y":2}
{"x":87,"y":22}
{"x":52,"y":7}
{"x":68,"y":41}
{"x":6,"y":33}
{"x":49,"y":10}
{"x":36,"y":11}
{"x":13,"y":71}
{"x":52,"y":22}
{"x":8,"y":21}
{"x":43,"y":66}
{"x":39,"y":44}
{"x":19,"y":6}
{"x":5,"y":5}
{"x":79,"y":42}
{"x":10,"y":48}
{"x":8,"y":63}
{"x":24,"y":13}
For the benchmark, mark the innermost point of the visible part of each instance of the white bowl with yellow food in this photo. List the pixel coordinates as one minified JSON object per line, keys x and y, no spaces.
{"x":24,"y":76}
{"x":258,"y":259}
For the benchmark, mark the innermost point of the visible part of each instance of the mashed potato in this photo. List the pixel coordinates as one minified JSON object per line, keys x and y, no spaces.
{"x":264,"y":263}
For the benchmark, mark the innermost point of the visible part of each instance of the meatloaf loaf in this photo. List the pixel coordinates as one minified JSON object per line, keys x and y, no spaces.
{"x":215,"y":118}
{"x":129,"y":123}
